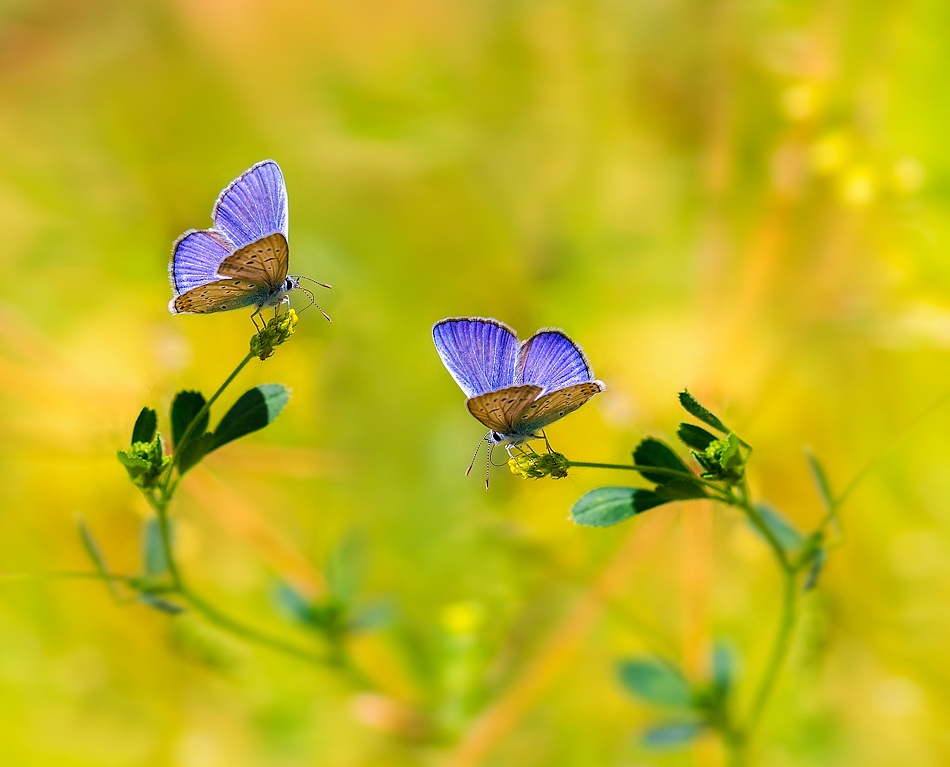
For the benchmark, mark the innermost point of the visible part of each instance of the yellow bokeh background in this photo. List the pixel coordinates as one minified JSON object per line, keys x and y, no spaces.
{"x":745,"y":199}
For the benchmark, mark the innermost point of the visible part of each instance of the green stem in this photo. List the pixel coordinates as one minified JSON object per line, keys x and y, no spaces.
{"x":741,"y":501}
{"x":167,"y":488}
{"x":242,"y":630}
{"x":779,"y":651}
{"x":738,"y":739}
{"x":674,"y":473}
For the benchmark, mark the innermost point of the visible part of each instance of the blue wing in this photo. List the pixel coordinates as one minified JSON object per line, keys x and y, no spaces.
{"x":196,"y":256}
{"x":253,"y":206}
{"x":479,"y":353}
{"x":551,"y":360}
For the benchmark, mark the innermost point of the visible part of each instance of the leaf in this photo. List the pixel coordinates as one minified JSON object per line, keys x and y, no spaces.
{"x":154,"y":559}
{"x":679,"y":490}
{"x":655,"y":681}
{"x":820,"y":478}
{"x":814,"y":570}
{"x":784,"y":531}
{"x":692,"y":406}
{"x":652,"y":452}
{"x":605,"y":506}
{"x":723,"y":669}
{"x":254,"y":410}
{"x":372,"y":616}
{"x":95,"y":554}
{"x":185,"y":406}
{"x":145,"y":425}
{"x":134,"y":463}
{"x":162,"y":605}
{"x":194,"y":450}
{"x":346,"y":566}
{"x":293,"y":603}
{"x":694,"y":436}
{"x":644,"y":500}
{"x":671,"y":734}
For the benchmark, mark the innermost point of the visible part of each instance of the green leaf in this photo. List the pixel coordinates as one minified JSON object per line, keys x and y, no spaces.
{"x":652,"y":452}
{"x":692,"y":406}
{"x":95,"y":554}
{"x":145,"y":425}
{"x":655,"y":681}
{"x":644,"y":500}
{"x":154,"y":560}
{"x":784,"y":531}
{"x":187,"y":405}
{"x":346,"y":566}
{"x":679,"y":490}
{"x":694,"y":436}
{"x":194,"y":450}
{"x":605,"y":506}
{"x":373,"y":616}
{"x":671,"y":734}
{"x":254,"y":410}
{"x":136,"y":463}
{"x":293,"y":603}
{"x":723,"y":669}
{"x":814,"y":569}
{"x":162,"y":605}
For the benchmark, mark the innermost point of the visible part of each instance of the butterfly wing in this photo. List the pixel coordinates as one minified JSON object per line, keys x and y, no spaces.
{"x":554,"y":406}
{"x":501,"y":410}
{"x":263,"y":261}
{"x":551,"y":360}
{"x":479,"y":353}
{"x":219,"y":296}
{"x":195,"y":259}
{"x":253,"y":206}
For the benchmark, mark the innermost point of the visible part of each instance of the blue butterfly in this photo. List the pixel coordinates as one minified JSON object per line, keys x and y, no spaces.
{"x":243,"y":260}
{"x":514,"y":389}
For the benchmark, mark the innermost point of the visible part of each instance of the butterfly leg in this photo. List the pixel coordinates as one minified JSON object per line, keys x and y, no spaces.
{"x":258,"y":328}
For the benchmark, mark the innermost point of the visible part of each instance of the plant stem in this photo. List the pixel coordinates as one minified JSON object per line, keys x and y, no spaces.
{"x":738,"y":739}
{"x":674,"y":473}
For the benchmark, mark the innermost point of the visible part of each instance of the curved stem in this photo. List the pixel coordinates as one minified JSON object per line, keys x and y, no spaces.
{"x":167,"y":488}
{"x":242,"y":630}
{"x":779,"y":651}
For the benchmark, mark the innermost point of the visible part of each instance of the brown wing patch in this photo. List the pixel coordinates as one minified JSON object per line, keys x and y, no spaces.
{"x":499,"y":410}
{"x":265,"y":260}
{"x":220,"y":296}
{"x":557,"y":404}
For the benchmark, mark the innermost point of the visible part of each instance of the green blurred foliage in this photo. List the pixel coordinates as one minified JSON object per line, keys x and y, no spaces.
{"x":745,"y":199}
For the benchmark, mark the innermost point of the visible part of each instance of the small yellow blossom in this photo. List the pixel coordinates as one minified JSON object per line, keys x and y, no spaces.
{"x":536,"y":465}
{"x":277,"y":331}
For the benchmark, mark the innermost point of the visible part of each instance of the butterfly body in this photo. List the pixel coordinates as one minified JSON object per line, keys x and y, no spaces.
{"x":514,"y":388}
{"x":243,"y":260}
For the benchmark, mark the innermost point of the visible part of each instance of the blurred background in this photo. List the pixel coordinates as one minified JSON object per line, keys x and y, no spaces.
{"x":746,"y":199}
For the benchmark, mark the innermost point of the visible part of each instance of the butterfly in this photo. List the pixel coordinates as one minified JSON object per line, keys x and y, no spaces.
{"x":243,"y":260}
{"x":514,"y":388}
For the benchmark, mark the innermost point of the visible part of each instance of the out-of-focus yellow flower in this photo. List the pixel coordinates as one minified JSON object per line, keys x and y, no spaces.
{"x":277,"y":331}
{"x":536,"y":465}
{"x":800,"y":101}
{"x":908,"y":175}
{"x":462,"y":618}
{"x":831,"y":151}
{"x":858,"y":186}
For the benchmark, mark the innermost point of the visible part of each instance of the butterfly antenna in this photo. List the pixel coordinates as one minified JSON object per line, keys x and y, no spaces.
{"x":321,"y":284}
{"x":477,"y":448}
{"x":488,"y":465}
{"x":313,"y":301}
